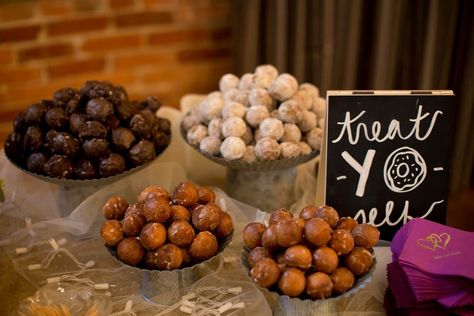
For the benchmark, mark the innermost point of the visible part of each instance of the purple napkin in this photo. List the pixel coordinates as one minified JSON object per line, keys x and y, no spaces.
{"x":435,"y":249}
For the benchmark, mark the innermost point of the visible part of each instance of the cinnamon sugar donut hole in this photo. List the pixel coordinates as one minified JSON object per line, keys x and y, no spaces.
{"x":317,"y":232}
{"x":265,"y":272}
{"x":308,"y":212}
{"x":111,"y":232}
{"x":329,"y":214}
{"x":292,"y":282}
{"x":225,"y":226}
{"x":130,"y":251}
{"x":206,"y":195}
{"x":325,"y":260}
{"x":168,"y":257}
{"x":256,"y":254}
{"x":155,"y":191}
{"x":319,"y":285}
{"x":343,"y":280}
{"x":347,"y":223}
{"x":185,"y":194}
{"x":298,"y":256}
{"x":206,"y":217}
{"x":180,"y":213}
{"x":204,"y":246}
{"x":133,"y":223}
{"x":365,"y":235}
{"x":341,"y":242}
{"x":153,"y":236}
{"x":359,"y":261}
{"x":157,"y":209}
{"x":279,"y":215}
{"x":115,"y":208}
{"x":252,"y":234}
{"x":181,"y":233}
{"x":289,"y":233}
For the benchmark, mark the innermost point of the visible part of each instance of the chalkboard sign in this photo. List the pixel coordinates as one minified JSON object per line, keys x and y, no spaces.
{"x":387,"y":156}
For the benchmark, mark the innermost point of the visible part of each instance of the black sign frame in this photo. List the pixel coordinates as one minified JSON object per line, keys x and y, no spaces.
{"x":387,"y":155}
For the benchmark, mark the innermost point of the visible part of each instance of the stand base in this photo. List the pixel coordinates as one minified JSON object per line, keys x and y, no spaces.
{"x":268,"y":190}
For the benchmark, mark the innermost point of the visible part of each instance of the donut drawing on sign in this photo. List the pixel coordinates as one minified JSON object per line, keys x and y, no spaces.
{"x":404,"y":170}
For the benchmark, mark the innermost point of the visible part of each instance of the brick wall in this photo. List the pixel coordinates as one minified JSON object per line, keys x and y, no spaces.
{"x":162,"y":47}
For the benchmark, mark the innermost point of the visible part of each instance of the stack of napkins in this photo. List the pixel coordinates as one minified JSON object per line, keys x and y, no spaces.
{"x":432,"y":272}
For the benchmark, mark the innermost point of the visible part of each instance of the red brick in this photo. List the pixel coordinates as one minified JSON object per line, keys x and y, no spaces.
{"x":190,"y":55}
{"x":9,"y":115}
{"x":76,"y":67}
{"x":212,"y":14}
{"x":111,"y":42}
{"x":45,"y":51}
{"x":77,"y":26}
{"x":160,"y":3}
{"x":19,"y":33}
{"x":19,"y":74}
{"x":55,"y":7}
{"x":143,"y":59}
{"x":143,"y":18}
{"x":88,"y":5}
{"x":121,"y":4}
{"x":6,"y":56}
{"x":180,"y":36}
{"x":16,"y":11}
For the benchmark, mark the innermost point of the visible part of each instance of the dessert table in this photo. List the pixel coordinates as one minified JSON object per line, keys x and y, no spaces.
{"x":35,"y":219}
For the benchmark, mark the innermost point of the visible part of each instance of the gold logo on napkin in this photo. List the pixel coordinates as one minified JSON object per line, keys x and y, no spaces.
{"x":433,"y":241}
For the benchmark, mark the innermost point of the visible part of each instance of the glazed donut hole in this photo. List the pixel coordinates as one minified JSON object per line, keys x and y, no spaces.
{"x":258,"y":105}
{"x":311,"y":256}
{"x":164,"y":230}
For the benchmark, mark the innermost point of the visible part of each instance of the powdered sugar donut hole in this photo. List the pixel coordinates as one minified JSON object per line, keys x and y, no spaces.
{"x":246,"y":81}
{"x":271,"y":127}
{"x":190,"y":119}
{"x":267,"y":149}
{"x":321,"y":122}
{"x":283,"y":87}
{"x":233,"y":148}
{"x":233,"y":126}
{"x":308,"y":121}
{"x":271,"y":115}
{"x":210,"y":145}
{"x":209,"y":109}
{"x":250,"y":156}
{"x":304,"y":98}
{"x":290,"y":111}
{"x":289,"y":150}
{"x":314,"y":138}
{"x":228,"y":81}
{"x":248,"y":136}
{"x":319,"y":107}
{"x":233,"y":109}
{"x":196,"y":134}
{"x":236,"y":95}
{"x":256,"y":114}
{"x":215,"y":128}
{"x":268,"y":70}
{"x":304,"y":148}
{"x":261,"y":97}
{"x":292,"y":133}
